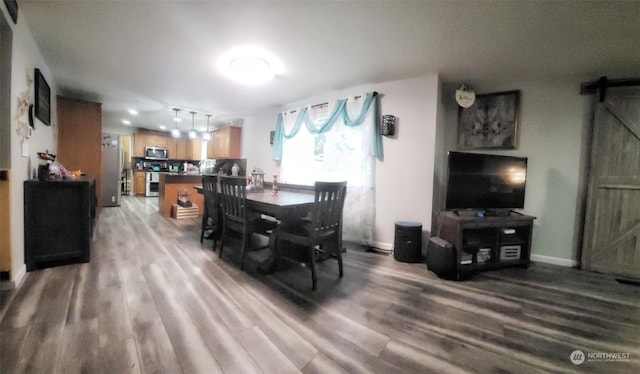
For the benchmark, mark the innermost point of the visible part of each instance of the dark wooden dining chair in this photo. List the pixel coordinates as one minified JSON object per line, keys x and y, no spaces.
{"x":321,"y":232}
{"x":237,"y":218}
{"x":212,"y":217}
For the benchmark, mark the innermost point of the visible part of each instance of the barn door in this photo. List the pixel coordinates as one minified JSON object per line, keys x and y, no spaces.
{"x":612,"y":223}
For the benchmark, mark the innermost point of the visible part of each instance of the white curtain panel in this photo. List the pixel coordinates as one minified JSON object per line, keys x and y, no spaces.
{"x":343,"y":153}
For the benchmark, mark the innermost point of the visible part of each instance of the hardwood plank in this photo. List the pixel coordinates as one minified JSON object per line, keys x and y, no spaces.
{"x":120,"y":357}
{"x":153,"y":299}
{"x":40,"y":354}
{"x":114,"y":320}
{"x":190,"y":347}
{"x":10,"y":347}
{"x":152,"y":341}
{"x":322,"y":364}
{"x":225,"y":346}
{"x":25,"y":304}
{"x":419,"y":361}
{"x":80,"y":348}
{"x":347,"y":355}
{"x":84,"y":300}
{"x":297,"y":349}
{"x":265,"y":353}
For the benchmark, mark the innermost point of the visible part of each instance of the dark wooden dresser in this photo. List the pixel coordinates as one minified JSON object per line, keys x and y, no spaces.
{"x":59,"y":217}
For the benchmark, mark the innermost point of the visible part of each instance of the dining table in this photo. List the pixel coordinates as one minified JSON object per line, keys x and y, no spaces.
{"x":285,"y":206}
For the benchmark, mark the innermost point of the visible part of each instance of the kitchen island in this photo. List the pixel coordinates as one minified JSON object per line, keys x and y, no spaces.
{"x":171,"y":184}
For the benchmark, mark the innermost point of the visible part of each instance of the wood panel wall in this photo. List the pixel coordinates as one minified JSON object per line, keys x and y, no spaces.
{"x":79,"y":138}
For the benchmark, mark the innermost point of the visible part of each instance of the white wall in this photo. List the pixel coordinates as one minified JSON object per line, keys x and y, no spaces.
{"x":404,"y":178}
{"x":554,"y":128}
{"x":26,"y":57}
{"x":554,"y":135}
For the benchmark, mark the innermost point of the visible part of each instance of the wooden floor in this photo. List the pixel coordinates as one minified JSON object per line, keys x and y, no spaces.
{"x":153,"y":300}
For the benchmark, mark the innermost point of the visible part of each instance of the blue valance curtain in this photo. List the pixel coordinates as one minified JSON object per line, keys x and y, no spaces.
{"x":339,"y":112}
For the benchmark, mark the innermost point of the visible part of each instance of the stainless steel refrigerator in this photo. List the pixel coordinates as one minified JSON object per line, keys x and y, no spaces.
{"x":112,"y":159}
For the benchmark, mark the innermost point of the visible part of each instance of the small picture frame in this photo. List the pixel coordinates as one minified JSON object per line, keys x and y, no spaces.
{"x":491,"y":122}
{"x":42,"y":98}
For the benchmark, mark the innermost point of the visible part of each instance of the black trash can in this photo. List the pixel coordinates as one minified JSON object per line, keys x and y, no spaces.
{"x":407,"y":246}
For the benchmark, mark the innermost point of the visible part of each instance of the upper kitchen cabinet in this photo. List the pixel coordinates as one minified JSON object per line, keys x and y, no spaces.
{"x":139,"y":142}
{"x":150,"y":139}
{"x":186,"y":149}
{"x":79,"y":119}
{"x":225,"y":143}
{"x":194,"y":150}
{"x":157,"y":140}
{"x":171,"y":147}
{"x":181,"y":150}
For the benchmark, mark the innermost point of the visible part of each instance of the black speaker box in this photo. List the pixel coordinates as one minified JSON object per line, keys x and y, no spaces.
{"x":408,"y":242}
{"x":441,"y":259}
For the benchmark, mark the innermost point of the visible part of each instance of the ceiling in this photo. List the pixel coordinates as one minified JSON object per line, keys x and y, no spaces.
{"x":157,"y":55}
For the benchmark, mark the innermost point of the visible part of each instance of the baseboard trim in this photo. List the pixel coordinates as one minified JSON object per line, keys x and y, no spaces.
{"x":382,"y":247}
{"x":555,"y":261}
{"x":19,"y":277}
{"x":388,"y":247}
{"x":12,"y":284}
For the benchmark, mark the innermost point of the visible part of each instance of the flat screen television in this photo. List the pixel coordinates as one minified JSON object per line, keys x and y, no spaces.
{"x":485,"y":182}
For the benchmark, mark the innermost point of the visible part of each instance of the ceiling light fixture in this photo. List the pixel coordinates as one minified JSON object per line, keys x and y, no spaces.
{"x":175,"y":132}
{"x":249,"y":65}
{"x":133,"y":112}
{"x":192,"y":133}
{"x":126,"y":122}
{"x":207,"y":135}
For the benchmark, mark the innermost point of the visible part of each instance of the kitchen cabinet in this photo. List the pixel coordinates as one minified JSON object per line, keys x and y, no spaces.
{"x":225,"y":143}
{"x":140,"y":183}
{"x":59,"y":216}
{"x":79,"y":119}
{"x":139,"y":142}
{"x":181,"y":150}
{"x":194,"y":149}
{"x":149,"y":139}
{"x":157,"y":140}
{"x":171,"y":147}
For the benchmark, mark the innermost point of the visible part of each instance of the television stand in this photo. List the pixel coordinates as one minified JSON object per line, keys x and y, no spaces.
{"x":483,"y":243}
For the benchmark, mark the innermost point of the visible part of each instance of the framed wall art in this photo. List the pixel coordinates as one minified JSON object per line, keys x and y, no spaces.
{"x":491,"y":122}
{"x":42,"y":98}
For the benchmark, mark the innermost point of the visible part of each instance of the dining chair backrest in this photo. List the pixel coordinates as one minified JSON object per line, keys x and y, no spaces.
{"x":328,"y":206}
{"x":233,"y":196}
{"x":210,"y":192}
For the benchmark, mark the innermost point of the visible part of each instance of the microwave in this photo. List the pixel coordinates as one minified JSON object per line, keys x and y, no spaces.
{"x":156,"y":153}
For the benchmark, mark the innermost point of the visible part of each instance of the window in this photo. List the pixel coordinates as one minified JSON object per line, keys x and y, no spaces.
{"x":332,"y":147}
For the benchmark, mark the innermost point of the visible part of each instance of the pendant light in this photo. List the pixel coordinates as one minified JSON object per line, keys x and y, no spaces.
{"x":207,"y":135}
{"x":175,"y":132}
{"x":192,"y":133}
